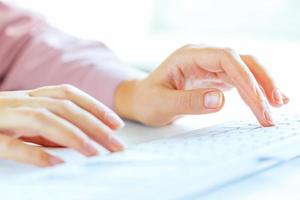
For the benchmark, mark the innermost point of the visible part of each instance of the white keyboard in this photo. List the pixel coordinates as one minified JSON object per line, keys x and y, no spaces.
{"x":191,"y":164}
{"x":214,"y":144}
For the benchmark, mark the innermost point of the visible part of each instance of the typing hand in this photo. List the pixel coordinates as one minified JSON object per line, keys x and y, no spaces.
{"x":54,"y":116}
{"x":191,"y":81}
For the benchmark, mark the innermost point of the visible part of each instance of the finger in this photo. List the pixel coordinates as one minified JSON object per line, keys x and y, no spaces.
{"x":40,"y":141}
{"x":14,"y":149}
{"x":197,"y":83}
{"x":226,"y":60}
{"x":48,"y":126}
{"x":199,"y":101}
{"x":83,"y":100}
{"x":79,"y":117}
{"x":247,"y":86}
{"x":265,"y":80}
{"x":266,"y":112}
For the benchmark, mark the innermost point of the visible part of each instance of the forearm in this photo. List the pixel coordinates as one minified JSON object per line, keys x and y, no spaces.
{"x":34,"y":54}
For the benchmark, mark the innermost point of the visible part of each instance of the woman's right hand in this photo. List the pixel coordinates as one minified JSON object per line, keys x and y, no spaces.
{"x":54,"y":116}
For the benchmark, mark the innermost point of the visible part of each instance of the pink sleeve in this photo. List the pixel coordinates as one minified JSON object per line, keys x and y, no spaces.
{"x":34,"y":54}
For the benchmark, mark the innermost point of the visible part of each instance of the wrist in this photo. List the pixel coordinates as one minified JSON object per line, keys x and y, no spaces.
{"x":125,"y":99}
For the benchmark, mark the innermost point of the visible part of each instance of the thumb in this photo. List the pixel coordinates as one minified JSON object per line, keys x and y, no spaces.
{"x":197,"y":101}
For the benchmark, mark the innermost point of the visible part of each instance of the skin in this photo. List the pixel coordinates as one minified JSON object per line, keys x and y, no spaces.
{"x":182,"y":82}
{"x":54,"y":116}
{"x":190,"y":81}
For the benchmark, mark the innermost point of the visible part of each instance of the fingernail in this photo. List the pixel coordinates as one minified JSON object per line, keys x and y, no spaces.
{"x":277,"y":97}
{"x":90,"y":150}
{"x":55,"y":161}
{"x":212,"y":100}
{"x":117,"y":144}
{"x":115,"y":120}
{"x":268,"y":117}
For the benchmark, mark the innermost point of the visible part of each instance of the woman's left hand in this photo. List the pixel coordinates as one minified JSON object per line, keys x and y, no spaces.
{"x":192,"y":80}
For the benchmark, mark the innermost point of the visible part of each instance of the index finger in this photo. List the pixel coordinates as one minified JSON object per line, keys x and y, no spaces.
{"x":246,"y":85}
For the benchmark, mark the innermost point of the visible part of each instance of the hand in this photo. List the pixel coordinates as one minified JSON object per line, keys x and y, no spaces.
{"x":191,"y":81}
{"x":54,"y":116}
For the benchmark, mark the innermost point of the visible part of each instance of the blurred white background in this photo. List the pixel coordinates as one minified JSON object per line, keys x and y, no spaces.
{"x":144,"y":32}
{"x":140,"y":21}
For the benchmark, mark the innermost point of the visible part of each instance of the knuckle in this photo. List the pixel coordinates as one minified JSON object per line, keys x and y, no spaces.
{"x":187,"y":101}
{"x":76,"y":139}
{"x":38,"y":114}
{"x":65,"y":86}
{"x":227,"y":52}
{"x":41,"y":157}
{"x":65,"y":105}
{"x":107,"y":115}
{"x":66,"y":89}
{"x":9,"y":144}
{"x":80,"y":142}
